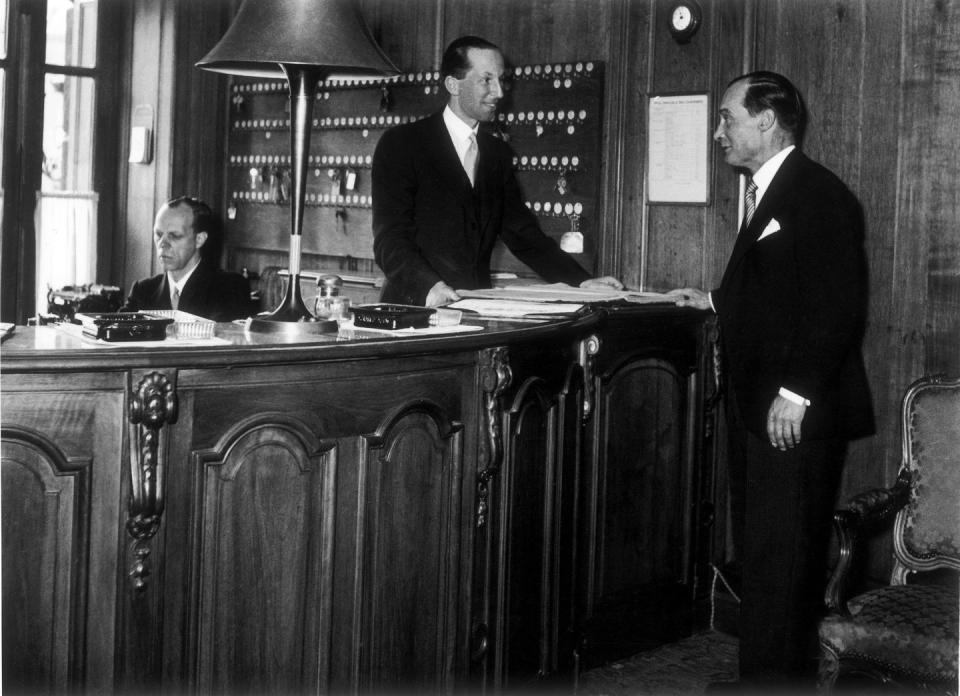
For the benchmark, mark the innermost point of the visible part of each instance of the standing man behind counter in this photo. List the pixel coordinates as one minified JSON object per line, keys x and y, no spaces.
{"x":434,"y":224}
{"x":187,"y":237}
{"x":791,"y":308}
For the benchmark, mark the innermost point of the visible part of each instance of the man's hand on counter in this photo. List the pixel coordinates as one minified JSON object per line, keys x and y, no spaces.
{"x":441,"y":294}
{"x":602,"y":283}
{"x":690,"y":297}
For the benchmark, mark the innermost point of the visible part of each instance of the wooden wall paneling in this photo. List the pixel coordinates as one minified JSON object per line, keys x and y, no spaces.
{"x":920,"y":165}
{"x":143,"y":181}
{"x":829,"y":78}
{"x":624,"y":227}
{"x":941,"y":25}
{"x":675,"y":232}
{"x":109,"y":177}
{"x":533,"y":31}
{"x":198,"y":157}
{"x":873,"y":461}
{"x":406,"y":31}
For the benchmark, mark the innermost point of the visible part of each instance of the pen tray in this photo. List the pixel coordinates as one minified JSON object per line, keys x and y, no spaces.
{"x":392,"y":316}
{"x":124,"y":326}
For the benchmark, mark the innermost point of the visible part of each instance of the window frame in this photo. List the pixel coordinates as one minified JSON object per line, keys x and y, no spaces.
{"x":25,"y":69}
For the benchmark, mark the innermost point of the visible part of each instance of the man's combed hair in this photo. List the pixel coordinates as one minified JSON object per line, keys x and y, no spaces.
{"x":455,"y":61}
{"x":770,"y":90}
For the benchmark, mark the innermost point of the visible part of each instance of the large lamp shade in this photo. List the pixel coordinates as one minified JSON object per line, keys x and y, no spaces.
{"x":304,"y":41}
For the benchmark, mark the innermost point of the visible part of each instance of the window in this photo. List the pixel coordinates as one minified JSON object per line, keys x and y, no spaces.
{"x":54,"y":76}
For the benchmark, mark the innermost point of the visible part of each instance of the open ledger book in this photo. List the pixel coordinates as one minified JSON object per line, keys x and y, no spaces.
{"x":542,"y":301}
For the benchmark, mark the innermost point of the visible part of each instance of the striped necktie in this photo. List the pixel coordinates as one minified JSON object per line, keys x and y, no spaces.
{"x":470,"y":159}
{"x":174,"y":297}
{"x":750,"y":202}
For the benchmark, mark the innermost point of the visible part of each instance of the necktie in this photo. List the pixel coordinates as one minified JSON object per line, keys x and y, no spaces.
{"x":750,"y":201}
{"x":175,"y":297}
{"x":470,"y":159}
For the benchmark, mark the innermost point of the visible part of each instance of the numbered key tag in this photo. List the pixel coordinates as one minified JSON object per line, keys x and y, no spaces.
{"x":562,"y":187}
{"x":232,"y":211}
{"x":572,"y":241}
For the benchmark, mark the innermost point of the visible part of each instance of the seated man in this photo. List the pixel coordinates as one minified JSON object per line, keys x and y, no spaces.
{"x":444,"y":192}
{"x":187,"y":236}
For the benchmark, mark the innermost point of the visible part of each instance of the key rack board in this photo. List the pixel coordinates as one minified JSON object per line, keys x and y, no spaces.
{"x":551,"y":115}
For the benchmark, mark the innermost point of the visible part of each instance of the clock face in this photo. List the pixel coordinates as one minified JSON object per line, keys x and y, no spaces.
{"x":684,"y":20}
{"x":681,"y":18}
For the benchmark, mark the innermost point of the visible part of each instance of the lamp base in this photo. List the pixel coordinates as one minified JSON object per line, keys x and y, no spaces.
{"x":296,"y":327}
{"x":292,"y":318}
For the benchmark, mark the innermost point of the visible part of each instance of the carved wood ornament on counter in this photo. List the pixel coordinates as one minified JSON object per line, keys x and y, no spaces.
{"x":495,"y":377}
{"x":153,"y":404}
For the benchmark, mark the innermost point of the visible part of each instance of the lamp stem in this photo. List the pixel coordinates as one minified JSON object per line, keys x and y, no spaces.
{"x":302,"y":81}
{"x":303,"y":90}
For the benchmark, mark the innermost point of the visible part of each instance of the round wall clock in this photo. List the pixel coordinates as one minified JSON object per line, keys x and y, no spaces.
{"x":685,"y":19}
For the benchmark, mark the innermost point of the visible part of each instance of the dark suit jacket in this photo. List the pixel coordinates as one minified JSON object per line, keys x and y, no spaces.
{"x":792,"y":305}
{"x":430,"y":225}
{"x":210,"y":293}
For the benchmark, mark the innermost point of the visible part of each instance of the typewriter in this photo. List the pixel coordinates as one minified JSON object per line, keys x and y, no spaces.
{"x":71,"y":299}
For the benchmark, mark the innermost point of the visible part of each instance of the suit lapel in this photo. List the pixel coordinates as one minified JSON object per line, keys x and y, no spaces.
{"x":198,"y":288}
{"x":447,"y":163}
{"x":161,"y":298}
{"x":772,"y":197}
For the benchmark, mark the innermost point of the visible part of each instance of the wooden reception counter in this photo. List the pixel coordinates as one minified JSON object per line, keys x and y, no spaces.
{"x":346,"y":514}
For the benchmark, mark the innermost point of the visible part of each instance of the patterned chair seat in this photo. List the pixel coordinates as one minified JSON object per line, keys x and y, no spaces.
{"x":911,"y":630}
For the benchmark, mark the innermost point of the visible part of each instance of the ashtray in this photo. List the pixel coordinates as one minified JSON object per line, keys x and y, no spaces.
{"x":124,"y":326}
{"x":392,"y":316}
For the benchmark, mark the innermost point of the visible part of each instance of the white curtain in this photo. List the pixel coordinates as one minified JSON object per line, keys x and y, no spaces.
{"x":66,"y":241}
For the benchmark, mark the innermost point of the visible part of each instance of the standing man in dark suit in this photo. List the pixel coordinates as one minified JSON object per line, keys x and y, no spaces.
{"x":445,"y":191}
{"x":187,"y":236}
{"x":791,"y":308}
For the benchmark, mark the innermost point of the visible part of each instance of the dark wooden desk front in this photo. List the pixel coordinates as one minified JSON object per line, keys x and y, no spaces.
{"x":344,"y":515}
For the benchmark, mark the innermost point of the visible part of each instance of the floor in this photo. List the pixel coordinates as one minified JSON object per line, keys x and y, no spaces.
{"x":681,"y":668}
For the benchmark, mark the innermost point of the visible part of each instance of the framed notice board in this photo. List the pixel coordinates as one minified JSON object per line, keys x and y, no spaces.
{"x":678,"y":149}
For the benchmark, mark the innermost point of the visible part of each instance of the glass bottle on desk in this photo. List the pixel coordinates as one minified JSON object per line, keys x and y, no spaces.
{"x":330,"y":303}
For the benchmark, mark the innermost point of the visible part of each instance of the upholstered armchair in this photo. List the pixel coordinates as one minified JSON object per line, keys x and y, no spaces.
{"x":904,"y":635}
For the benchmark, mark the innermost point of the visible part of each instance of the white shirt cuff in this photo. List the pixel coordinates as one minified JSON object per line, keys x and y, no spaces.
{"x":710,"y":300}
{"x":795,"y":398}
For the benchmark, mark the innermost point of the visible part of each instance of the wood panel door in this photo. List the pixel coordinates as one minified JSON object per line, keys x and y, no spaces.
{"x":533,"y":573}
{"x":61,"y":492}
{"x":314,"y":535}
{"x":644,"y":509}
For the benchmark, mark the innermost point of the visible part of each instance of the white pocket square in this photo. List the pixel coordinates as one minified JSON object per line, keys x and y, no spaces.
{"x":772,"y":226}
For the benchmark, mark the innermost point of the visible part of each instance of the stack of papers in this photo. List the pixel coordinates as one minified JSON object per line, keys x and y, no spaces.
{"x":544,"y":301}
{"x":561,"y":292}
{"x":516,"y":309}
